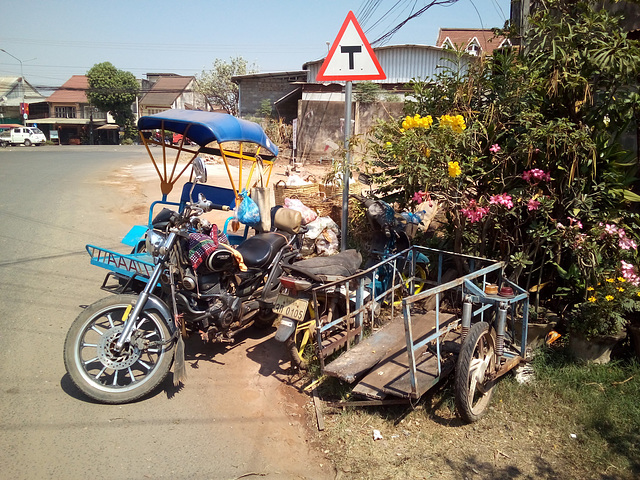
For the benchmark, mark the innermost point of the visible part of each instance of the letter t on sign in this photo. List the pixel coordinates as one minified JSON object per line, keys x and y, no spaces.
{"x":351,"y":50}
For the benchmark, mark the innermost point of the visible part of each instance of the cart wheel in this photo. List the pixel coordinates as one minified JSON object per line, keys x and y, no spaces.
{"x":475,"y":361}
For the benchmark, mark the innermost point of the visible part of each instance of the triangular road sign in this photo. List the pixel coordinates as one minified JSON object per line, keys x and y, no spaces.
{"x":351,"y":57}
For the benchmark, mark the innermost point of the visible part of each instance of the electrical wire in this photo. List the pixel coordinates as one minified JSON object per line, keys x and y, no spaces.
{"x":387,"y":36}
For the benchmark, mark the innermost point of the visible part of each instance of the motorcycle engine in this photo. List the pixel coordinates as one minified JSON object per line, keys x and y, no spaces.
{"x":224,"y":310}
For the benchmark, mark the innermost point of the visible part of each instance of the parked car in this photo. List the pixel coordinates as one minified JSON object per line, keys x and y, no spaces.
{"x":22,"y":135}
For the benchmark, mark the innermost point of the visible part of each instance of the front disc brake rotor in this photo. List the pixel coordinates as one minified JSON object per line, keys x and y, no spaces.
{"x":110,"y":357}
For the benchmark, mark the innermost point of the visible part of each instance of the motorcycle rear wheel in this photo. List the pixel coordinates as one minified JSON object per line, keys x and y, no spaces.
{"x":295,"y":346}
{"x":265,"y":318}
{"x":113,"y":377}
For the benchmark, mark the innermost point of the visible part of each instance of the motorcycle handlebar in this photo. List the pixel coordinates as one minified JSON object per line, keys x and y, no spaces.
{"x":207,"y":206}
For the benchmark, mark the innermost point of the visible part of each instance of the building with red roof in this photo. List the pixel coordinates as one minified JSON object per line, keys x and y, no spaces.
{"x":477,"y":42}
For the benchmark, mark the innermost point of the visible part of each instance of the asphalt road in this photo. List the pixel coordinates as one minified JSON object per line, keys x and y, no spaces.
{"x":235,"y":417}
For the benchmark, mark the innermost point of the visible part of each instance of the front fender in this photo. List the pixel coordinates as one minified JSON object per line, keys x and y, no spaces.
{"x":285,"y":329}
{"x":156,"y":304}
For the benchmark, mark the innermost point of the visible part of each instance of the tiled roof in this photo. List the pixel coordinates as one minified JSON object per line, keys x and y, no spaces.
{"x":166,"y":90}
{"x":72,"y":91}
{"x":462,"y":37}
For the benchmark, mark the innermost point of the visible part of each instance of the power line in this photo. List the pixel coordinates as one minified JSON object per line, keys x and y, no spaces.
{"x":387,"y":36}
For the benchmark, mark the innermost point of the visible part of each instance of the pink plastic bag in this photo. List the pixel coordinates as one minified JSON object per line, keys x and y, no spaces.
{"x":308,"y":214}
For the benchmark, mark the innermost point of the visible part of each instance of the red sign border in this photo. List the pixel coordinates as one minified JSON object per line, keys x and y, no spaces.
{"x":346,"y":78}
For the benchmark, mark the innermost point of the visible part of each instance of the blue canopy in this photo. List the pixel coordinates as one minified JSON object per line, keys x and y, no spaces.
{"x":207,"y":127}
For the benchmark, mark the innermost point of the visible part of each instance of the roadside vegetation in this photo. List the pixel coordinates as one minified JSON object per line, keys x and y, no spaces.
{"x":524,"y":154}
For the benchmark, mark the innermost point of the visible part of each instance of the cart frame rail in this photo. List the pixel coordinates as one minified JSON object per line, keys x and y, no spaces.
{"x":468,"y":288}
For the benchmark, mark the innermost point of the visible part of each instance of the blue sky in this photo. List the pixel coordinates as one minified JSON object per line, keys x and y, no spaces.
{"x":55,"y":39}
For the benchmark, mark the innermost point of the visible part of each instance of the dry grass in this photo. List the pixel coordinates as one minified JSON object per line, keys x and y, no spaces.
{"x":527,"y":434}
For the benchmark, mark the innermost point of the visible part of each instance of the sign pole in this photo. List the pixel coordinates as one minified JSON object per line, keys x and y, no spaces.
{"x":347,"y":169}
{"x":350,"y":58}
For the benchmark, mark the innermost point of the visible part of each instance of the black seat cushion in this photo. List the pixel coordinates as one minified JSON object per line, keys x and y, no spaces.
{"x":259,"y":250}
{"x":345,"y":264}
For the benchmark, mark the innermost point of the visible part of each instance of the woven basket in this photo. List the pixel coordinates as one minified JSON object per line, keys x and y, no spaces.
{"x":336,"y":190}
{"x":302,"y":192}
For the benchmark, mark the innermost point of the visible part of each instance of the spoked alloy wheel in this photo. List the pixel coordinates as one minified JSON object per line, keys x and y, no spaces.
{"x":105,"y":374}
{"x":475,"y":362}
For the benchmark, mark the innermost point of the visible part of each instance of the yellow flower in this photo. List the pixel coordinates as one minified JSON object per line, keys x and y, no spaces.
{"x":388,"y":144}
{"x":620,"y":289}
{"x":456,"y":122}
{"x":427,"y":152}
{"x":621,"y":279}
{"x":592,"y":299}
{"x":454,"y":169}
{"x":417,"y":122}
{"x":590,"y":289}
{"x":609,"y":298}
{"x":610,"y":280}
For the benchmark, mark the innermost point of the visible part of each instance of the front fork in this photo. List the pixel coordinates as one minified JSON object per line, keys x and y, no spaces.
{"x":130,"y":322}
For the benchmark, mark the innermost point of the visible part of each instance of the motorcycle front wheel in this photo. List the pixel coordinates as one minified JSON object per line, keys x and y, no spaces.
{"x":109,"y":376}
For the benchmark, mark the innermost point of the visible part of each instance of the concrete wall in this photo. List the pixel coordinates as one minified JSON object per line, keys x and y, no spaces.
{"x":321,"y":126}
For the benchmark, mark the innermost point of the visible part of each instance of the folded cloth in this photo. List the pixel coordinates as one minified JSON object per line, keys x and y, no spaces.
{"x":201,"y":246}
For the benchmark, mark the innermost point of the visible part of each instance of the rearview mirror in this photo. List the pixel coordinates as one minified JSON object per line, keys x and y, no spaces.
{"x":199,"y":170}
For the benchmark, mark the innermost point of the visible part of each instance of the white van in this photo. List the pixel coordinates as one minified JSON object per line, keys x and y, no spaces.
{"x":22,"y":135}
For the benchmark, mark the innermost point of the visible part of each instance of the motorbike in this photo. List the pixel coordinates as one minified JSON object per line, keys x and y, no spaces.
{"x":391,"y":233}
{"x":308,"y":301}
{"x":181,"y":279}
{"x":312,"y":309}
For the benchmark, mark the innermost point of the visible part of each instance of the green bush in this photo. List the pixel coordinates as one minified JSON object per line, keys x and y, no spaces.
{"x":522,"y":153}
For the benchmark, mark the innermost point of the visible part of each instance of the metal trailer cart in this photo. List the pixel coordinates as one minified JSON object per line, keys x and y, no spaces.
{"x":464,"y":324}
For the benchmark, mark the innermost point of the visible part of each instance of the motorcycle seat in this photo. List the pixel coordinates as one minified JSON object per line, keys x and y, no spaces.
{"x":258,"y":251}
{"x":342,"y":264}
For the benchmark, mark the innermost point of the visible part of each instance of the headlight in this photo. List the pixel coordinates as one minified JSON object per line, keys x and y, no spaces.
{"x":155,"y":241}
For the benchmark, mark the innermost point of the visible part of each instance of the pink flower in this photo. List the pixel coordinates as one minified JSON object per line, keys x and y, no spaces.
{"x":473,"y":212}
{"x":535,"y":175}
{"x":418,"y":196}
{"x":533,"y":204}
{"x":502,"y":199}
{"x":629,"y":273}
{"x":627,"y":244}
{"x":495,"y":148}
{"x":624,"y":242}
{"x":574,"y":223}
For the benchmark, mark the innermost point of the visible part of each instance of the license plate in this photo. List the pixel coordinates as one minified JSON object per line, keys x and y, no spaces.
{"x":291,"y":307}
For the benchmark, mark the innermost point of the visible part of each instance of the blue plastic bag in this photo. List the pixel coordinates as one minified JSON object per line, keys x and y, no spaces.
{"x":248,"y":211}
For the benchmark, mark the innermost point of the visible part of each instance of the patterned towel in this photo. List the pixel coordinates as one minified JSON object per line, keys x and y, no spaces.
{"x":201,"y":245}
